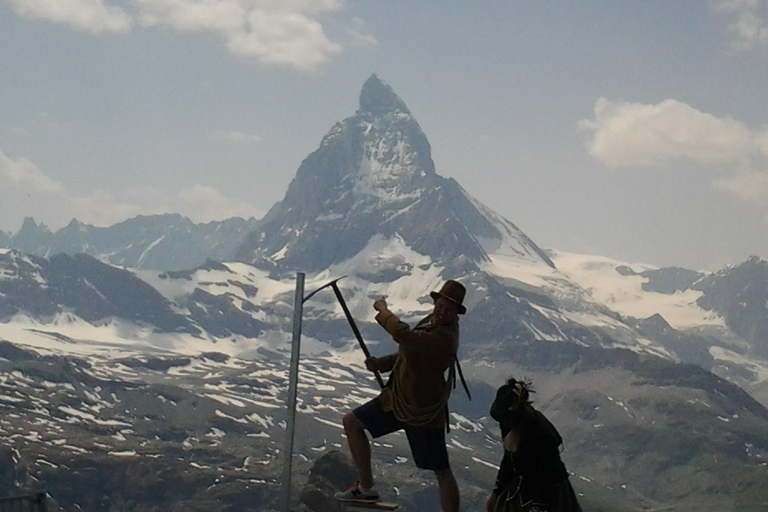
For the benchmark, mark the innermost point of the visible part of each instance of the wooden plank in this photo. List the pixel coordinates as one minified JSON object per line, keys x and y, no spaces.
{"x":376,"y":505}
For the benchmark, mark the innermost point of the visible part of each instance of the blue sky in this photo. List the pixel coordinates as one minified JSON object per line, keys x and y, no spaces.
{"x":634,"y":130}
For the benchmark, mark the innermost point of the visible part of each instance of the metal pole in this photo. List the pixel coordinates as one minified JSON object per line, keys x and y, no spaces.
{"x":293,"y":384}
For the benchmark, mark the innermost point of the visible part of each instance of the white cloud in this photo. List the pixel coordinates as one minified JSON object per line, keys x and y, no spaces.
{"x":101,"y":208}
{"x":203,"y":204}
{"x":234,"y":136}
{"x":90,"y":15}
{"x":24,"y":187}
{"x":27,"y":191}
{"x":24,"y":176}
{"x":633,"y":134}
{"x":285,"y":32}
{"x":762,"y":142}
{"x":627,"y":134}
{"x":360,"y":36}
{"x":750,"y":29}
{"x":199,"y":203}
{"x":747,"y":184}
{"x":193,"y":16}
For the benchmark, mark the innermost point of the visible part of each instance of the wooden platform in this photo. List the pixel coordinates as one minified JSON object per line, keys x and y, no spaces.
{"x":377,"y":505}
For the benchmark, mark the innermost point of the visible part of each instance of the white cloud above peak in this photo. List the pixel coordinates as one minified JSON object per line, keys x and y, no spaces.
{"x":285,"y":33}
{"x":360,"y":35}
{"x":89,"y":15}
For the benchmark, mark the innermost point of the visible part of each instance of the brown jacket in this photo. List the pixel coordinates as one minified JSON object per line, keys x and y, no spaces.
{"x":424,"y":353}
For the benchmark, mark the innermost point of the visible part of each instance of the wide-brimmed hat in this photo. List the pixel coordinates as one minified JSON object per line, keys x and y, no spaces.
{"x":454,"y":291}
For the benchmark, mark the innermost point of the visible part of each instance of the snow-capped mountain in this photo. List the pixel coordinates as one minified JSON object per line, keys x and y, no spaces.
{"x":717,"y":320}
{"x":174,"y":377}
{"x":373,"y":175}
{"x":369,"y":203}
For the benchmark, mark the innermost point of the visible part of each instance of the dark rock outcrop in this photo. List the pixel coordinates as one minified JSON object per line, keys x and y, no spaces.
{"x":329,"y":474}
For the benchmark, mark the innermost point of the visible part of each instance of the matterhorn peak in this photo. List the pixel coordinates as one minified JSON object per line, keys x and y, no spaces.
{"x":378,"y":98}
{"x":373,"y":176}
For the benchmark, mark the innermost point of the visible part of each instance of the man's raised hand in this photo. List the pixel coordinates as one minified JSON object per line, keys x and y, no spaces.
{"x":380,"y":305}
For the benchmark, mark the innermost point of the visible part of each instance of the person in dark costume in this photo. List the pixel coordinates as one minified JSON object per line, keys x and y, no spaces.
{"x":531,"y":476}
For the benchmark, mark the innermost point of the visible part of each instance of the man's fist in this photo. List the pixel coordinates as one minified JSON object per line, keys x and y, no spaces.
{"x":372,"y":363}
{"x":380,"y":305}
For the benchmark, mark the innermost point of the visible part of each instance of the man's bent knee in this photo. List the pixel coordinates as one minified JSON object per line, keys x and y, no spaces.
{"x":352,"y":423}
{"x":445,"y":475}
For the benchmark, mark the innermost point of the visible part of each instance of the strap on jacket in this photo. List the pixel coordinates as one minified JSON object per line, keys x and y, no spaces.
{"x":452,"y":378}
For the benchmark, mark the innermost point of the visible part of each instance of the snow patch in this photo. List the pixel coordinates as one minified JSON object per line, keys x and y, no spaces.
{"x":624,"y":293}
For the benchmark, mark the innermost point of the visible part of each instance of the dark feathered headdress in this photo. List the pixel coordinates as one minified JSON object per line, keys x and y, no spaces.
{"x":509,"y":398}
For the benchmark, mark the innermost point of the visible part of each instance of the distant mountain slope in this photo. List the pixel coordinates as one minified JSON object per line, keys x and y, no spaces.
{"x":736,"y":296}
{"x":740,"y":295}
{"x":717,"y":320}
{"x":81,"y":288}
{"x":158,"y":242}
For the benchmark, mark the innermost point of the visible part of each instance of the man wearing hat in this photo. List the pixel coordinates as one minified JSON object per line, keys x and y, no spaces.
{"x":415,"y":398}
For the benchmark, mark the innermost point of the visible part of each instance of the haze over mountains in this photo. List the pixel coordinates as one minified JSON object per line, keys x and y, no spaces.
{"x":625,"y":356}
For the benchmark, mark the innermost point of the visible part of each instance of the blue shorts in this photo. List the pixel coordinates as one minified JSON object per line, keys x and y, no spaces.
{"x":427,"y":444}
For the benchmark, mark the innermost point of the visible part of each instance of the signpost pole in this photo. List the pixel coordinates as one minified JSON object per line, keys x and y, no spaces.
{"x":293,"y":384}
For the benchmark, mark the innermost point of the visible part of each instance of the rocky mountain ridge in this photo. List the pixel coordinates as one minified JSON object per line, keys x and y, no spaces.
{"x":157,"y":242}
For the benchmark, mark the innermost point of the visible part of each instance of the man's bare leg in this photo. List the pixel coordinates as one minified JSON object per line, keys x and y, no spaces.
{"x":449,"y":490}
{"x":360,"y":448}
